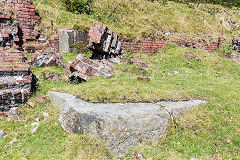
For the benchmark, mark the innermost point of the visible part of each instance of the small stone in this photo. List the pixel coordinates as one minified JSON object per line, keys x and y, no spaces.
{"x":27,"y":151}
{"x":34,"y":130}
{"x":12,"y":141}
{"x":31,"y":104}
{"x":232,"y":118}
{"x":194,"y":158}
{"x":35,"y":123}
{"x":37,"y":119}
{"x":2,"y":133}
{"x":45,"y":114}
{"x":138,"y":156}
{"x":176,"y":72}
{"x":142,"y":79}
{"x":168,"y":74}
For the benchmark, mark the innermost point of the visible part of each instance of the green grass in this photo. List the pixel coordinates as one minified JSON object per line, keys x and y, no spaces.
{"x":201,"y":133}
{"x":142,"y":18}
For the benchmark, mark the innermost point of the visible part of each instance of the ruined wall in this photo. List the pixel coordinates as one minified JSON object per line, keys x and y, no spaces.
{"x":151,"y":47}
{"x":17,"y":21}
{"x":15,"y":78}
{"x":148,"y":47}
{"x":72,"y":41}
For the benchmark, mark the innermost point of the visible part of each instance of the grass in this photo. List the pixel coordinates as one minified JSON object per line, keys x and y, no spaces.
{"x":211,"y":130}
{"x":142,"y":18}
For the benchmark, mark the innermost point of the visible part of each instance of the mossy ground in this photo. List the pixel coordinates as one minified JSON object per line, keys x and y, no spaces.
{"x":211,"y":130}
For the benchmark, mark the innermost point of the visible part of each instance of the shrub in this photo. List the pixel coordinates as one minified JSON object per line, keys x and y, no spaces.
{"x":227,"y":49}
{"x":79,"y":6}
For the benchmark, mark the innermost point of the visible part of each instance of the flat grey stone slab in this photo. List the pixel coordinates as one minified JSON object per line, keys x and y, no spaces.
{"x":119,"y":125}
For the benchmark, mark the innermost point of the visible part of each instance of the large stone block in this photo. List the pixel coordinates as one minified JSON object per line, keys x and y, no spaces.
{"x":72,"y":41}
{"x":119,"y":125}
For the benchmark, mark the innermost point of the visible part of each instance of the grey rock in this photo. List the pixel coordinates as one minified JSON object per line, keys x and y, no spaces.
{"x":119,"y":125}
{"x":2,"y":134}
{"x":71,"y":37}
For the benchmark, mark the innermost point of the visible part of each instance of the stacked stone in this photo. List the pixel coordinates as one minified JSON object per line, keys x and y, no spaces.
{"x":83,"y":68}
{"x":103,"y":42}
{"x":15,"y":79}
{"x":236,"y":44}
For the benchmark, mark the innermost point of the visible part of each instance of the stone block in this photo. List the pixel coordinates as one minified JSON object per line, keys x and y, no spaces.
{"x":119,"y":126}
{"x":72,"y":41}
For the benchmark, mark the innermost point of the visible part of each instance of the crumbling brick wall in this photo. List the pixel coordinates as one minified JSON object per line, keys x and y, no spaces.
{"x":17,"y":21}
{"x":151,"y":47}
{"x":15,"y":78}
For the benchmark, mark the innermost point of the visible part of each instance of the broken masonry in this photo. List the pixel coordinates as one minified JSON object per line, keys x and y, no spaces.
{"x":17,"y":22}
{"x":106,"y":47}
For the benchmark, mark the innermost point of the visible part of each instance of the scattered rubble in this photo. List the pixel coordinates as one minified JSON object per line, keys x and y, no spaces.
{"x":191,"y":56}
{"x":106,"y":46}
{"x":143,"y":79}
{"x":83,"y":68}
{"x":48,"y":57}
{"x":2,"y":133}
{"x":140,"y":62}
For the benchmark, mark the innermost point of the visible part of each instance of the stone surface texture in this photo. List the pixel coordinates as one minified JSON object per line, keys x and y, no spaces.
{"x":83,"y":68}
{"x":120,"y":126}
{"x":72,"y":41}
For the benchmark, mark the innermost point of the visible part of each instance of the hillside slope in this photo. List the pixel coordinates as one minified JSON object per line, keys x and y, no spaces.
{"x":142,"y":18}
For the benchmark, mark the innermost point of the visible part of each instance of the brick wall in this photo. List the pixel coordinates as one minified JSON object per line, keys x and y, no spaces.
{"x":15,"y":78}
{"x":148,"y":47}
{"x":17,"y":21}
{"x":151,"y":47}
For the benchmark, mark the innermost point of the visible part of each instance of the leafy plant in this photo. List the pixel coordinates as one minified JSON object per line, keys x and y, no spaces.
{"x":227,"y":49}
{"x":79,"y":6}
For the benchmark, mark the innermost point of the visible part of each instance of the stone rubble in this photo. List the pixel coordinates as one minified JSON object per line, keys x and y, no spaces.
{"x":47,"y":57}
{"x":83,"y":68}
{"x":106,"y":47}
